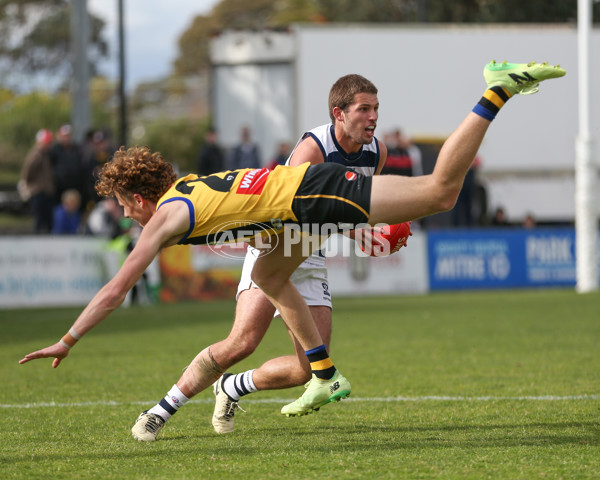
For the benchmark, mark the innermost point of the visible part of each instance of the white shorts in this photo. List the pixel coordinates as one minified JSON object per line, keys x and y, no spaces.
{"x":310,"y":279}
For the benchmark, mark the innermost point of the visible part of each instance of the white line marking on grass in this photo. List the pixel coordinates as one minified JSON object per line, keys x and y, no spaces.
{"x":428,"y":398}
{"x":435,"y":398}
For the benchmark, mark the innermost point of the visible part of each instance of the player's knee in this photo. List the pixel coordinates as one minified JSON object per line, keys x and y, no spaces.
{"x":443,"y":196}
{"x":246,"y":347}
{"x":448,"y":200}
{"x":269,"y":284}
{"x":240,"y":348}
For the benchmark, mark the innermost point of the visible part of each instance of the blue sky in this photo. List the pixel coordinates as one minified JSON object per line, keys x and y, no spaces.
{"x":152,"y":28}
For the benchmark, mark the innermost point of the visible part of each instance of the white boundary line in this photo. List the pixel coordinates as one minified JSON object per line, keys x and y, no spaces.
{"x":429,"y":398}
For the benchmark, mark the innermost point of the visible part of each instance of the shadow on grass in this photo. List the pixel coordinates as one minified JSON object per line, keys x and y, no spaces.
{"x":507,"y":435}
{"x":346,"y":439}
{"x":306,"y":440}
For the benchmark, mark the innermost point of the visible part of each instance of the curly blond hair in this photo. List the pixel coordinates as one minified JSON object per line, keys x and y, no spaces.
{"x":136,"y":170}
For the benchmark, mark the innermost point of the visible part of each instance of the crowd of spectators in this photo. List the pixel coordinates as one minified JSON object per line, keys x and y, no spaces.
{"x":57,"y":180}
{"x":58,"y":176}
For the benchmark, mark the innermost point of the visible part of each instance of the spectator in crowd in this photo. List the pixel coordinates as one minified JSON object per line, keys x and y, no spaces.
{"x":87,"y":154}
{"x":97,"y":151}
{"x":210,"y":157}
{"x":246,"y":154}
{"x":88,"y":143}
{"x":67,"y":215}
{"x":499,"y":219}
{"x":68,"y":166}
{"x":529,"y":221}
{"x":404,"y":157}
{"x":283,"y":152}
{"x":106,"y":219}
{"x":37,"y":182}
{"x":462,"y":213}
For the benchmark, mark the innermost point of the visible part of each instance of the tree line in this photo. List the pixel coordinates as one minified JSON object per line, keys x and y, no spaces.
{"x":35,"y":46}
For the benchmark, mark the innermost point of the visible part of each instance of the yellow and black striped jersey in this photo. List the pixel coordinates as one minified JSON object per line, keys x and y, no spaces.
{"x":228,"y":206}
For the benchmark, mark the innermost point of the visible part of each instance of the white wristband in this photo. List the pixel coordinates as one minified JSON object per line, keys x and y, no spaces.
{"x":64,"y":344}
{"x":74,"y":334}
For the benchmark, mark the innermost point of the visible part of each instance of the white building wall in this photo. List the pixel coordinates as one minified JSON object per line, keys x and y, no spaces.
{"x":429,"y":78}
{"x":253,"y":86}
{"x":257,"y":96}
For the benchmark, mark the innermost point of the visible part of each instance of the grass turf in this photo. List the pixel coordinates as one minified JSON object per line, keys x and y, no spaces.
{"x":464,"y":385}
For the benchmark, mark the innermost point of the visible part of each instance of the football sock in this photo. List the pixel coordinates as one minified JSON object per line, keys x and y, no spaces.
{"x":320,"y":363}
{"x":169,"y":405}
{"x":492,"y":101}
{"x":236,"y":386}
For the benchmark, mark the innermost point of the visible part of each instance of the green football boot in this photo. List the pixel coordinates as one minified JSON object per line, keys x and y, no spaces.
{"x":318,"y":393}
{"x":523,"y":78}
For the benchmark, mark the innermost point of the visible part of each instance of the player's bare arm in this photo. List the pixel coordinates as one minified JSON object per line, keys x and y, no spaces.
{"x":307,"y":151}
{"x":164,"y":228}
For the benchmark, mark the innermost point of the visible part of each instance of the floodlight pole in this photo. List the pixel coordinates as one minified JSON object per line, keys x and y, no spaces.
{"x":122,"y":93}
{"x":586,"y":222}
{"x":80,"y":39}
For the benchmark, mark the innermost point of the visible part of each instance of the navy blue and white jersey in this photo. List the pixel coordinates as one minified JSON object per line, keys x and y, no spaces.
{"x":364,"y":161}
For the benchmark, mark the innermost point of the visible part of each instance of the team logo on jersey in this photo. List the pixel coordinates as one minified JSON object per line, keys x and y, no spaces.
{"x":351,"y":176}
{"x":253,"y":182}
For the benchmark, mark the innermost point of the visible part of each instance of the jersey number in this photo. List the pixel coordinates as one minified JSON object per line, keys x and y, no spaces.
{"x":212,"y":181}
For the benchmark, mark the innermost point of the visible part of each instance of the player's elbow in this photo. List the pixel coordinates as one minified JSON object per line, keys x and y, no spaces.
{"x":111,"y":297}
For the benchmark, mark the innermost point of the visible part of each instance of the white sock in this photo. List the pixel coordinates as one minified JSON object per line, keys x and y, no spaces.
{"x":169,"y":405}
{"x":236,"y":386}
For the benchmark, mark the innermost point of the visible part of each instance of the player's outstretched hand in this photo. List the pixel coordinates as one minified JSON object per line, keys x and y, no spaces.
{"x":57,"y":351}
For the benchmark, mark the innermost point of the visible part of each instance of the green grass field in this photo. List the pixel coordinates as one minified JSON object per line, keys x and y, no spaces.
{"x":486,"y":385}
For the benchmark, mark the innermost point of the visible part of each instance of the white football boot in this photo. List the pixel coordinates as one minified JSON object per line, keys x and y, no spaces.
{"x":225,"y":408}
{"x":147,"y":426}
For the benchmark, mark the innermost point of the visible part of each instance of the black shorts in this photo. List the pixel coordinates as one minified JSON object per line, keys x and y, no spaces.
{"x":332,"y":194}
